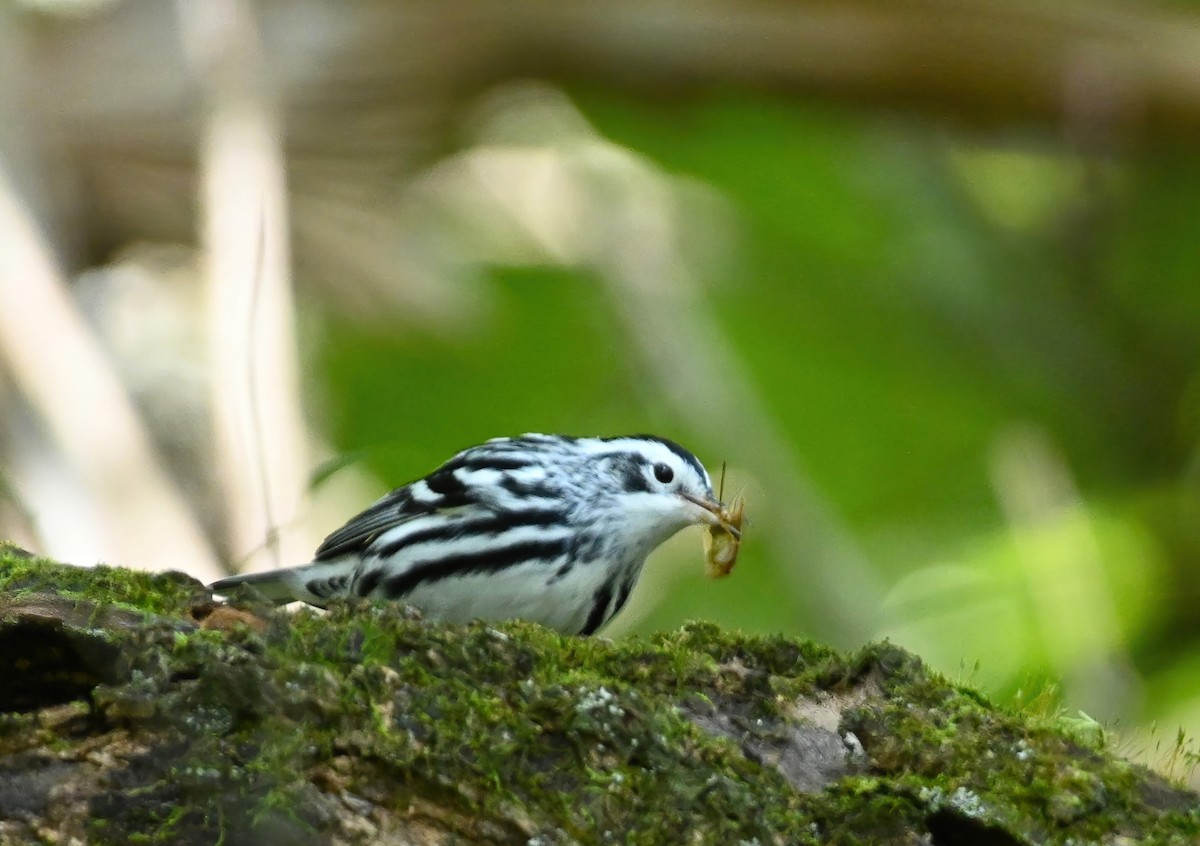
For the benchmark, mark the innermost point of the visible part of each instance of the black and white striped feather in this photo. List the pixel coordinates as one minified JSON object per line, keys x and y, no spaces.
{"x":547,"y":528}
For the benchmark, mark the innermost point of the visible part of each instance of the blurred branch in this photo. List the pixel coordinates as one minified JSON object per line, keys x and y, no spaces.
{"x":368,"y":92}
{"x":1119,"y":74}
{"x":261,"y":447}
{"x":699,"y":373}
{"x":983,"y":63}
{"x":61,"y":369}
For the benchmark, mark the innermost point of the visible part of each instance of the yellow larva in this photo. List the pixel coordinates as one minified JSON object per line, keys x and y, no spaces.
{"x":721,"y":543}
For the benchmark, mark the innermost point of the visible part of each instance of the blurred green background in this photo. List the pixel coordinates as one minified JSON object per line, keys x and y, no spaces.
{"x":945,"y":339}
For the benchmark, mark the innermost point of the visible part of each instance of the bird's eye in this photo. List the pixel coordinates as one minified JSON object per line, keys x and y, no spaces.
{"x":663,"y":473}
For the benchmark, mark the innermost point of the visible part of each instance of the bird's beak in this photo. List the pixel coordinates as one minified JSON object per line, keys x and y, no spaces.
{"x":714,"y":513}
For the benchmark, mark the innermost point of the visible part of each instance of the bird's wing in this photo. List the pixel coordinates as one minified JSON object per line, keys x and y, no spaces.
{"x":484,"y":478}
{"x":392,"y":510}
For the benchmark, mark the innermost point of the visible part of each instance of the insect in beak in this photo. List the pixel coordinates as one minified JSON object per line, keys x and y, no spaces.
{"x":723,"y":534}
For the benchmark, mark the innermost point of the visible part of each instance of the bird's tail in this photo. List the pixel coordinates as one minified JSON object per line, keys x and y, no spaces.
{"x":275,"y":585}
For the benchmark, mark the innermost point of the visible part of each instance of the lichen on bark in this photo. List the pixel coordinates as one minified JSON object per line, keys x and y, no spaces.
{"x":135,"y":710}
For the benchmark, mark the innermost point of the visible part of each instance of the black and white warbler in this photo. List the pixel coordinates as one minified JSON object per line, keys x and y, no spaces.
{"x":547,"y":528}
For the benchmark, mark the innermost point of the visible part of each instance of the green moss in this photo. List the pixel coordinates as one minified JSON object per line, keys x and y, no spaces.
{"x":956,"y":753}
{"x":557,"y":734}
{"x":504,"y":691}
{"x":158,"y":593}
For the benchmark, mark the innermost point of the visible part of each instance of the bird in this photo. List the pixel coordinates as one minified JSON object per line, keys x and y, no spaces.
{"x":552,"y":529}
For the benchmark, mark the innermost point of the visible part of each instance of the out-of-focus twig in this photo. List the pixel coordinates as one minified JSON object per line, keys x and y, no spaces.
{"x":699,"y":373}
{"x":261,"y":436}
{"x":60,"y":368}
{"x":1071,"y":596}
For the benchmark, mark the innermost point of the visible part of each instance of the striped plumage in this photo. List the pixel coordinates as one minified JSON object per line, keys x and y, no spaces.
{"x":547,"y":528}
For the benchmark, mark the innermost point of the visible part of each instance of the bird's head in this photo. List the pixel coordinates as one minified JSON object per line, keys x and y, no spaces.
{"x":654,"y":487}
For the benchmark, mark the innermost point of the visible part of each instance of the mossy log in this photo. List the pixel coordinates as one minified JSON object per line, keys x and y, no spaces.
{"x":135,"y":710}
